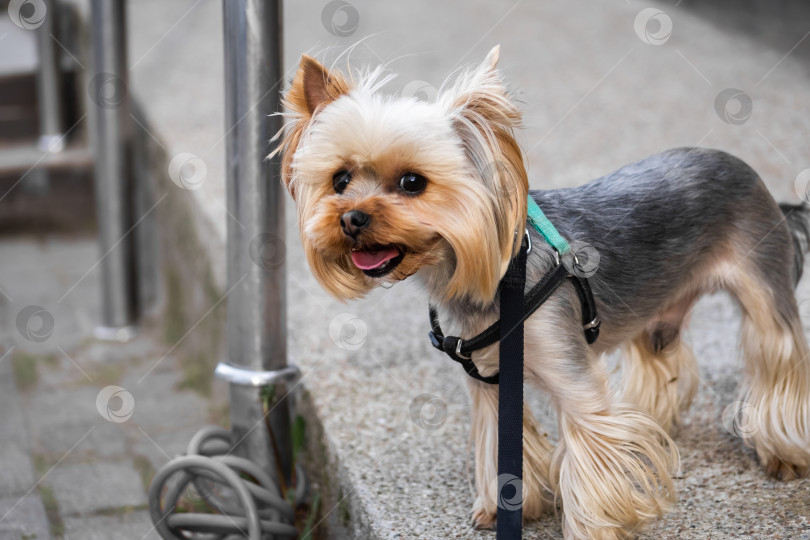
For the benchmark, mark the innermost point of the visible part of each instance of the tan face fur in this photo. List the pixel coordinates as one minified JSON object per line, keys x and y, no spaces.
{"x":462,"y":228}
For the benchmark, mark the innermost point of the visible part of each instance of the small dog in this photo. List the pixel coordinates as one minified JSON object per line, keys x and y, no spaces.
{"x":391,"y":187}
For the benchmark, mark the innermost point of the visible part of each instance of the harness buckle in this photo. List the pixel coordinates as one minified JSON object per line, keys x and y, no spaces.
{"x":458,"y":350}
{"x":451,"y":345}
{"x":529,"y":241}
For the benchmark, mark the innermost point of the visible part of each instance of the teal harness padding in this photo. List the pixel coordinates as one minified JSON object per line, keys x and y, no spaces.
{"x":540,"y":222}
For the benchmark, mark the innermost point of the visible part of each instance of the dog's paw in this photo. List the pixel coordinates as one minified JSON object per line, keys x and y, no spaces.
{"x":780,"y":470}
{"x":483,"y":518}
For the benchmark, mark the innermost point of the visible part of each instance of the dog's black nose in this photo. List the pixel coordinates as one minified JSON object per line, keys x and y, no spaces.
{"x":353,"y":221}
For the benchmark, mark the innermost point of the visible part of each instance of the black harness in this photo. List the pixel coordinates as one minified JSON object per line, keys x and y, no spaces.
{"x":508,"y":330}
{"x":460,"y":350}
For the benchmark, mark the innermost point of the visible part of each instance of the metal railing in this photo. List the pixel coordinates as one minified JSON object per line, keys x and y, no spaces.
{"x":111,"y":139}
{"x":49,"y":86}
{"x":259,"y":442}
{"x":257,"y":318}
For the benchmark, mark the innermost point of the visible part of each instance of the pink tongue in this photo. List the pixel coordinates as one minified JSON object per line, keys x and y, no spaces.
{"x":369,"y":260}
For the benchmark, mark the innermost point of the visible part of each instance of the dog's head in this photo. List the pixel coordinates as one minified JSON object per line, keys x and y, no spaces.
{"x":387,"y":186}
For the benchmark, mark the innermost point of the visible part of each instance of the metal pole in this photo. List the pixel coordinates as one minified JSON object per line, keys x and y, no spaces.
{"x":49,"y":84}
{"x":109,"y":105}
{"x":49,"y":99}
{"x":257,"y":340}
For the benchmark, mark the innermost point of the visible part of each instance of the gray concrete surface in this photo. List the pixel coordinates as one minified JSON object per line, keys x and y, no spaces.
{"x":596,"y":96}
{"x":125,"y":527}
{"x":76,"y":457}
{"x":94,"y":487}
{"x":23,"y":518}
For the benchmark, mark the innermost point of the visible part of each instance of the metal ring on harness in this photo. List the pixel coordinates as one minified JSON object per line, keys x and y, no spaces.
{"x":458,"y":351}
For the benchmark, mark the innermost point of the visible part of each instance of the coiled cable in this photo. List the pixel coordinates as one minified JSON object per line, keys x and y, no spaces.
{"x":248,"y":502}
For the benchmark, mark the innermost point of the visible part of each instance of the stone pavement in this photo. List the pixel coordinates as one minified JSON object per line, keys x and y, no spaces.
{"x":85,"y":424}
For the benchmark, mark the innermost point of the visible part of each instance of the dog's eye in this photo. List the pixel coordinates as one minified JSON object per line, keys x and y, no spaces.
{"x":412,"y":183}
{"x":340,"y":180}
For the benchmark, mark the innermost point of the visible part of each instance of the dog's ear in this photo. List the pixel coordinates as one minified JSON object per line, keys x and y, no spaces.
{"x":312,"y":88}
{"x":480,"y":95}
{"x":492,"y":57}
{"x":484,"y":116}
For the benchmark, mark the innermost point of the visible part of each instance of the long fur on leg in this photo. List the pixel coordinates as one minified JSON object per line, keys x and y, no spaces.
{"x":776,"y":395}
{"x":537,"y":452}
{"x":614,"y":473}
{"x":660,"y":378}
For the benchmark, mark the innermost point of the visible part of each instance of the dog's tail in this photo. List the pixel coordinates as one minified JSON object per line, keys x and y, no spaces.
{"x":798,"y":220}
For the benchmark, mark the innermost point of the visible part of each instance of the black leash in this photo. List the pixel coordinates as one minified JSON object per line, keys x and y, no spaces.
{"x":510,"y":401}
{"x":508,"y":330}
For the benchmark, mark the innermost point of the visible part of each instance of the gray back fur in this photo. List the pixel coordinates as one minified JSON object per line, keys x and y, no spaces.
{"x":654,"y":221}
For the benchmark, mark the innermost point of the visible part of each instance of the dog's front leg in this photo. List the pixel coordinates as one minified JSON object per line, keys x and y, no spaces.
{"x":536,"y":458}
{"x":614,"y":463}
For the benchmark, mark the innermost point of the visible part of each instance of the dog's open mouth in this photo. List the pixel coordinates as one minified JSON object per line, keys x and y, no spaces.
{"x":377,"y":261}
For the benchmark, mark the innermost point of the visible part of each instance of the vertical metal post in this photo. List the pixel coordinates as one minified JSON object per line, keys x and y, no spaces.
{"x":257,"y":340}
{"x":49,"y":99}
{"x":109,"y":108}
{"x":49,"y":84}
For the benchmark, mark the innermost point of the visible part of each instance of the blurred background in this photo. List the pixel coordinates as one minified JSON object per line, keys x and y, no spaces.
{"x":131,"y":263}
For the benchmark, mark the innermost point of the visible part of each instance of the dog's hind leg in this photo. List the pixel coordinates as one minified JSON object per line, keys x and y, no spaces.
{"x":659,"y":373}
{"x":774,"y":413}
{"x":537,"y":452}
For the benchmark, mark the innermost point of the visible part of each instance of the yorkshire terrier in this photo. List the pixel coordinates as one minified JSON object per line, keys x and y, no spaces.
{"x":390,"y":187}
